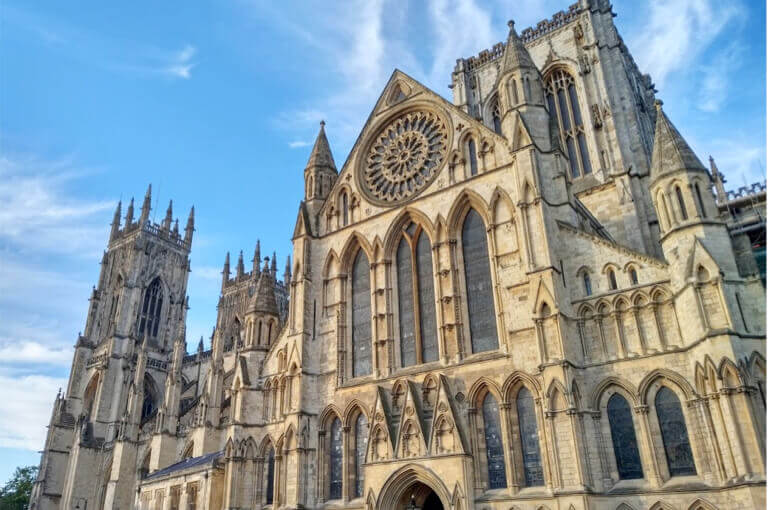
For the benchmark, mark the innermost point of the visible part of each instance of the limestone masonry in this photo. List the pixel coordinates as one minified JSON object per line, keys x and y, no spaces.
{"x":533,"y":297}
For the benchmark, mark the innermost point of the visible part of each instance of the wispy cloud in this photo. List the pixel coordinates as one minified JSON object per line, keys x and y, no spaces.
{"x":717,"y":75}
{"x":99,"y":49}
{"x":678,"y":32}
{"x":298,"y":143}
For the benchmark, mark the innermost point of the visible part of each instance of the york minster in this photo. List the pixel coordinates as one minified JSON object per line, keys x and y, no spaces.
{"x":532,"y":296}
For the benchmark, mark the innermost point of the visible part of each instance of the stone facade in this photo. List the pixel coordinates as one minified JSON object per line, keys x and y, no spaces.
{"x":528,"y":298}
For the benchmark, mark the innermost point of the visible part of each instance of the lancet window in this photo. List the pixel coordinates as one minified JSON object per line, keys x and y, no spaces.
{"x":563,"y":101}
{"x":361,"y":316}
{"x":477,"y":275}
{"x":149,"y":318}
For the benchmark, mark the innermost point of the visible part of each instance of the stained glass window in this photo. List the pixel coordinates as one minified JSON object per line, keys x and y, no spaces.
{"x":624,"y":440}
{"x":270,"y":476}
{"x":344,"y":209}
{"x":335,"y":461}
{"x":150,"y":309}
{"x":405,"y":304}
{"x":494,"y":449}
{"x":361,"y":443}
{"x":472,"y":150}
{"x":426,"y":292}
{"x":361,"y":316}
{"x":674,"y":433}
{"x":529,"y":439}
{"x":563,"y":103}
{"x":496,"y":117}
{"x":477,"y":273}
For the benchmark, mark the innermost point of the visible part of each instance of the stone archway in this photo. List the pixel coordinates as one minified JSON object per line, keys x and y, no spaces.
{"x":414,"y":487}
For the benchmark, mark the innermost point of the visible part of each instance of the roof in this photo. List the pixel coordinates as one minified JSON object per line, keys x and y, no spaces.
{"x":186,"y":464}
{"x":321,"y":152}
{"x":670,"y":150}
{"x":263,"y":299}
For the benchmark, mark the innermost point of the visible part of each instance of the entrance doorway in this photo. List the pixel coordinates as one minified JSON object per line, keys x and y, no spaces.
{"x":419,"y":496}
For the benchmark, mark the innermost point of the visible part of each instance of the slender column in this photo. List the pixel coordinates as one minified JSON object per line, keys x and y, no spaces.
{"x":712,"y":434}
{"x":640,"y":332}
{"x":509,"y":456}
{"x":650,"y":451}
{"x":582,"y":340}
{"x":543,"y":354}
{"x":597,"y":422}
{"x":619,"y":334}
{"x":601,"y":333}
{"x":657,"y":320}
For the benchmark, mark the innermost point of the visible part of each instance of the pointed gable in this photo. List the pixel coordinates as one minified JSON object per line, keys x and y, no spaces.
{"x":446,"y":435}
{"x":671,"y":152}
{"x":410,"y":434}
{"x":380,"y":436}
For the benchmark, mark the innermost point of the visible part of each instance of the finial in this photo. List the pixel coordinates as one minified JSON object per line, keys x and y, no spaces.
{"x":658,"y":103}
{"x":511,"y":24}
{"x":322,"y":123}
{"x":266,"y":265}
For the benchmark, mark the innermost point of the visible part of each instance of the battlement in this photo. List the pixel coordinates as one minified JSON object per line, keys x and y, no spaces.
{"x":156,"y":230}
{"x":528,"y":35}
{"x":746,"y":191}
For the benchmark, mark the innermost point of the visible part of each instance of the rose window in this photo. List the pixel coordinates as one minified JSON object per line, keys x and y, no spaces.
{"x":404,"y":157}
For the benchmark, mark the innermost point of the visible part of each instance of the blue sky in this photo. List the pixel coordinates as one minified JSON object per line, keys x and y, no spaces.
{"x":217,"y":105}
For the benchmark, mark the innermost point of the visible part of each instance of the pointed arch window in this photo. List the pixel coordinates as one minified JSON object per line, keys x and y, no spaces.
{"x":529,"y":439}
{"x":344,"y":209}
{"x":681,"y":203}
{"x":624,"y":439}
{"x":149,"y":318}
{"x":494,"y":449}
{"x":149,"y":403}
{"x":496,"y":116}
{"x":563,"y":102}
{"x":477,"y":275}
{"x":633,"y":276}
{"x":472,"y":155}
{"x":270,"y":489}
{"x":361,"y":316}
{"x":674,"y":433}
{"x":416,"y":298}
{"x":612,"y":279}
{"x":335,"y":461}
{"x":587,"y":284}
{"x":700,"y":199}
{"x":361,"y":445}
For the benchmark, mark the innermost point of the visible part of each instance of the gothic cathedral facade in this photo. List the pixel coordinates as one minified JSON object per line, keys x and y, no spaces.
{"x":526,"y":298}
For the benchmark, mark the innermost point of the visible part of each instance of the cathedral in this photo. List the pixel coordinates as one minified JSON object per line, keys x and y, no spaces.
{"x":532,"y":297}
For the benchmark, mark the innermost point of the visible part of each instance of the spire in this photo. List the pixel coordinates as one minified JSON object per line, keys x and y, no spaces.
{"x":515,"y":53}
{"x":274,"y":265}
{"x":287,"y":273}
{"x":190,"y":226}
{"x":671,"y":152}
{"x":257,"y":259}
{"x":321,"y":156}
{"x":200,"y":345}
{"x":129,"y":214}
{"x":225,"y":272}
{"x":176,"y":228}
{"x":168,"y":216}
{"x":240,"y":267}
{"x":719,"y":179}
{"x":146,"y":206}
{"x":116,"y":221}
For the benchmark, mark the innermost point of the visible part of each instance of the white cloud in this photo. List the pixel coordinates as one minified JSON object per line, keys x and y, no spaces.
{"x":298,"y":143}
{"x":678,"y":32}
{"x":14,"y":352}
{"x":181,"y":63}
{"x":26,"y":410}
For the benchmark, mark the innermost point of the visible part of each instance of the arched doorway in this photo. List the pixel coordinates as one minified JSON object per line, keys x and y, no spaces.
{"x":419,"y":496}
{"x":414,"y":487}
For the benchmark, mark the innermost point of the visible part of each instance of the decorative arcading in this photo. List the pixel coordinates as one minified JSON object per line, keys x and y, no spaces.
{"x":530,"y":34}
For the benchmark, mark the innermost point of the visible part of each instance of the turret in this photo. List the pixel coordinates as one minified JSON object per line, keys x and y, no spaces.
{"x":287,"y":272}
{"x":115,"y":222}
{"x":146,"y":206}
{"x":719,"y":180}
{"x":240,"y":271}
{"x":190,"y":227}
{"x":168,"y":216}
{"x":225,"y":272}
{"x":129,"y":214}
{"x":520,"y":95}
{"x":262,"y":309}
{"x":320,"y":172}
{"x":273,"y":268}
{"x":257,"y":259}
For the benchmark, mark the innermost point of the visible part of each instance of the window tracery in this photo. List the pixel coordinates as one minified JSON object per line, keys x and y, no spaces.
{"x":494,"y":449}
{"x":563,"y":102}
{"x":674,"y":433}
{"x":335,"y":461}
{"x":361,"y":445}
{"x":149,"y":318}
{"x":529,"y":439}
{"x":624,"y":439}
{"x":472,"y":156}
{"x":270,"y":480}
{"x":416,"y":295}
{"x":404,"y":157}
{"x":496,"y":116}
{"x":477,"y":275}
{"x":361,"y":316}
